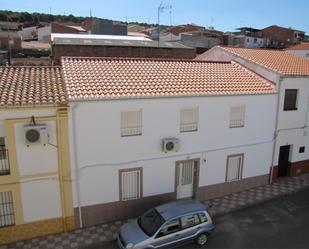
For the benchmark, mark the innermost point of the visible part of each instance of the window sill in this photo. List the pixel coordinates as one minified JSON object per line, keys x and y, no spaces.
{"x":290,"y":110}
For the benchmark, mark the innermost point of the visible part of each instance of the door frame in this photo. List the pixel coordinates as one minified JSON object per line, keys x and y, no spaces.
{"x":289,"y":161}
{"x":196,"y":175}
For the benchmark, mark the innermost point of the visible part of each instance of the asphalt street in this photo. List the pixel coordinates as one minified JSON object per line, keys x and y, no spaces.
{"x":279,"y":223}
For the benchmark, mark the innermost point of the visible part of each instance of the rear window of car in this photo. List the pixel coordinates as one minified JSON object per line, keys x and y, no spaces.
{"x":203,"y":217}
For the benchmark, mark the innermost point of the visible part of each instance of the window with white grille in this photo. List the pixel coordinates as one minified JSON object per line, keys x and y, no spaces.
{"x":131,"y":123}
{"x":234,"y":167}
{"x":7,"y":216}
{"x":4,"y":158}
{"x":188,"y":119}
{"x":130,"y":184}
{"x":237,"y":116}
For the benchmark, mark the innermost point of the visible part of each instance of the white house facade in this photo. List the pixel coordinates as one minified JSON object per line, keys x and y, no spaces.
{"x":145,"y":132}
{"x":291,"y":75}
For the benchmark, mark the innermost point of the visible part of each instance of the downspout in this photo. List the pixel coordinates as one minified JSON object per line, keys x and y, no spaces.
{"x":76,"y":164}
{"x":276,"y":131}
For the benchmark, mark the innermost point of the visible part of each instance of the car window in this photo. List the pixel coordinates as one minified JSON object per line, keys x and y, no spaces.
{"x":189,"y":221}
{"x":203,"y":217}
{"x":170,"y":227}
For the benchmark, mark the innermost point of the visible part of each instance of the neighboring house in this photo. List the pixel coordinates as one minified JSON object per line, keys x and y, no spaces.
{"x":290,"y":73}
{"x":115,"y":46}
{"x":247,"y":37}
{"x":149,"y":131}
{"x":28,"y":33}
{"x":44,"y":33}
{"x":98,"y":26}
{"x":35,"y":181}
{"x":301,"y":49}
{"x":10,"y":26}
{"x":174,"y":33}
{"x":280,"y":37}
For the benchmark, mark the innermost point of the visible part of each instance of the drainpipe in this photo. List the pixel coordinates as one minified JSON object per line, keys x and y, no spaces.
{"x":76,"y":163}
{"x":276,"y":131}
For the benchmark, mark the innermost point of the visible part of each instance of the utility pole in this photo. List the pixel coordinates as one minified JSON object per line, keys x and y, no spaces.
{"x":161,"y":8}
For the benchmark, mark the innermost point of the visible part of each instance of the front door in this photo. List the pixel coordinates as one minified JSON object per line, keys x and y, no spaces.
{"x":284,"y":164}
{"x":185,"y":183}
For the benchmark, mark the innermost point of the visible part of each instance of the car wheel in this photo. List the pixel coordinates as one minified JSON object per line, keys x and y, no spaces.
{"x":202,"y":239}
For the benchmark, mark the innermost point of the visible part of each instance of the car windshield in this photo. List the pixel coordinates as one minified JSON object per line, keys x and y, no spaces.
{"x":150,"y":222}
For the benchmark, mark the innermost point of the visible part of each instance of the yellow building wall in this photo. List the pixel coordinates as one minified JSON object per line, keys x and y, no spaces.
{"x":12,"y":182}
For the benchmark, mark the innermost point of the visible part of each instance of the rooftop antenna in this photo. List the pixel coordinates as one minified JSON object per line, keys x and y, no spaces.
{"x":90,"y":13}
{"x":171,"y":19}
{"x":161,"y":8}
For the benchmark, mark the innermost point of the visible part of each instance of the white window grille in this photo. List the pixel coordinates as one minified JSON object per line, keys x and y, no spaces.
{"x":188,"y":119}
{"x":237,"y":116}
{"x":130,"y":185}
{"x":7,"y":216}
{"x":234,"y":167}
{"x":131,"y":123}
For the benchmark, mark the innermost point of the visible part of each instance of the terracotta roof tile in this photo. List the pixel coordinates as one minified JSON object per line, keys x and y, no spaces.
{"x":28,"y":86}
{"x":101,"y":78}
{"x":301,"y":46}
{"x":276,"y":60}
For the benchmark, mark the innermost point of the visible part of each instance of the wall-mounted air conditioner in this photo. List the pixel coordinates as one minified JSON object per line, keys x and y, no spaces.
{"x":170,"y":145}
{"x":36,"y":134}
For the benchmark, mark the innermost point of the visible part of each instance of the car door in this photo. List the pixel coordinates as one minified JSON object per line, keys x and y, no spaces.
{"x":189,"y":227}
{"x":169,"y":235}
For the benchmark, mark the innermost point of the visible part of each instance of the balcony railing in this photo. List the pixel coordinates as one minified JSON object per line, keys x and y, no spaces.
{"x":4,"y":162}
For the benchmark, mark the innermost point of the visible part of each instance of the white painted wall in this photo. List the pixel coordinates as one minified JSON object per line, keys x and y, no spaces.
{"x":101,"y":152}
{"x":297,"y":118}
{"x":43,"y":32}
{"x":293,"y":126}
{"x":254,"y":42}
{"x":40,"y":199}
{"x":36,"y":158}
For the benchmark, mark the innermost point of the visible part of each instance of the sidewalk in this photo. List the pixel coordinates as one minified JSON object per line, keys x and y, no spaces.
{"x":219,"y":206}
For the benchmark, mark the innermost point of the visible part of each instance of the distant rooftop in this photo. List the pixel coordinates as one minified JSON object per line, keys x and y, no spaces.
{"x":110,"y":40}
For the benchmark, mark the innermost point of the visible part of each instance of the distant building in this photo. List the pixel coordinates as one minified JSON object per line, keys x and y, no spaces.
{"x":63,"y":28}
{"x":246,"y":37}
{"x":99,"y":26}
{"x":301,"y":49}
{"x":10,"y":39}
{"x":280,"y":37}
{"x":10,"y":26}
{"x":116,"y":46}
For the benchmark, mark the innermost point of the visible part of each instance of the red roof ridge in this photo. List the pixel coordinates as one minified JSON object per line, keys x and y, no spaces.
{"x":142,"y":59}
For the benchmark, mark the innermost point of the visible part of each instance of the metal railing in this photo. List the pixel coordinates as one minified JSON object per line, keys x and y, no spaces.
{"x":4,"y":162}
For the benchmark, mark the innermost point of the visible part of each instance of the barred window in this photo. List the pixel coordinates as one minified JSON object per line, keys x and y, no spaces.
{"x":130,"y":184}
{"x":234,"y":167}
{"x":131,"y":123}
{"x":7,"y":216}
{"x":4,"y":158}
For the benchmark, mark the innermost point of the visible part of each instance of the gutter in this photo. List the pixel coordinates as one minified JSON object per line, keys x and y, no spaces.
{"x":76,"y":163}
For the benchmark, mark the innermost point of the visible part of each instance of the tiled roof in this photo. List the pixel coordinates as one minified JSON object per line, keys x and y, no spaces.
{"x":276,"y":60}
{"x":105,"y":78}
{"x":31,"y":86}
{"x":301,"y":46}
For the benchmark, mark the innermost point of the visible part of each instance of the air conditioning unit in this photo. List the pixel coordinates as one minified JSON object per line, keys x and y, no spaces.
{"x":35,"y":134}
{"x":170,"y":144}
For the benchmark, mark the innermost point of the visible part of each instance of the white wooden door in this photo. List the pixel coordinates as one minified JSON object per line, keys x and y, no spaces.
{"x":185,"y":180}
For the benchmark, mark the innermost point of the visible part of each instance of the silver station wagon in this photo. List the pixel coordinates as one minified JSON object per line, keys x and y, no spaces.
{"x":169,"y":225}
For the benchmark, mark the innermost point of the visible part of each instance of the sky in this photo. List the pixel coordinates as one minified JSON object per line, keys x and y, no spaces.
{"x":224,"y":15}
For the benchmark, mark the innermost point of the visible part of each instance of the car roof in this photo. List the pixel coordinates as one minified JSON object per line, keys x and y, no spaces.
{"x":179,"y":208}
